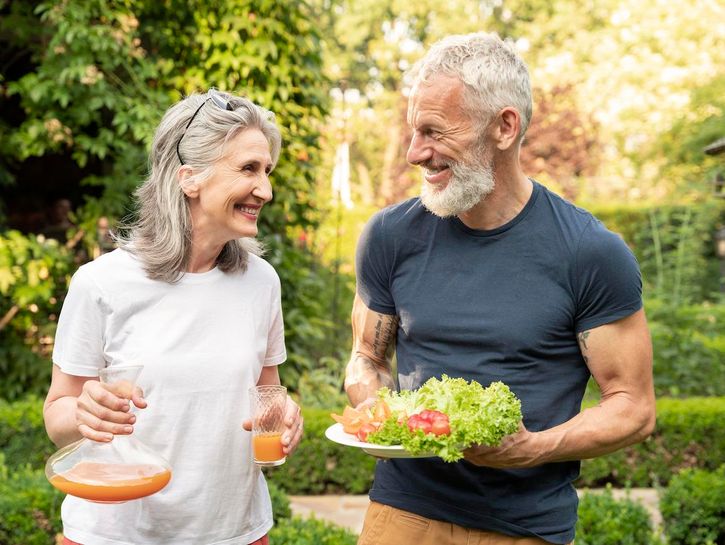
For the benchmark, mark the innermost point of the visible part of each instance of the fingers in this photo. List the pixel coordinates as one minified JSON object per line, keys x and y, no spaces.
{"x":367,"y":403}
{"x":138,"y":399}
{"x":292,"y":437}
{"x":100,"y":414}
{"x":295,"y":425}
{"x":247,"y":425}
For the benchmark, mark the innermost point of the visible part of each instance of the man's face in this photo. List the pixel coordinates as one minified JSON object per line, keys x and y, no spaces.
{"x":457,"y":169}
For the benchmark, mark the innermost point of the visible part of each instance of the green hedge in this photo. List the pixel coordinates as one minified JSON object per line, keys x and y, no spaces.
{"x":29,"y":507}
{"x":22,"y":433}
{"x":693,"y":508}
{"x":320,"y":466}
{"x":605,"y":520}
{"x":688,"y":434}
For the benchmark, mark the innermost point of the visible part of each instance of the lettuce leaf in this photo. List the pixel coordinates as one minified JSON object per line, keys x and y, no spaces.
{"x":477,"y":416}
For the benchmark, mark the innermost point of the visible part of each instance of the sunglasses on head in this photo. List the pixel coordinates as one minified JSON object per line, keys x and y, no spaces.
{"x":219,"y":101}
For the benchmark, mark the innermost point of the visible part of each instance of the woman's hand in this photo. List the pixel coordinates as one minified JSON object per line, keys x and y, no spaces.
{"x":293,"y":423}
{"x":103,"y":410}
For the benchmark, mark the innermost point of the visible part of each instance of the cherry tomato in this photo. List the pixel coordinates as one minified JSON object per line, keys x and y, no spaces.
{"x":415,"y":422}
{"x":440,"y":426}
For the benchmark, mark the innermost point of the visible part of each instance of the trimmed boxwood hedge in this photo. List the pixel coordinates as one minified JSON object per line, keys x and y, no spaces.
{"x":689,"y":433}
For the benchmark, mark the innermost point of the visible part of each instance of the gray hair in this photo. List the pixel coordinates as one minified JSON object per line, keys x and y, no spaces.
{"x":494,"y":75}
{"x":161,"y":235}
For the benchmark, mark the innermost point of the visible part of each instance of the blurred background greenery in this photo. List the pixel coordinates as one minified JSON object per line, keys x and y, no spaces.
{"x":629,"y":122}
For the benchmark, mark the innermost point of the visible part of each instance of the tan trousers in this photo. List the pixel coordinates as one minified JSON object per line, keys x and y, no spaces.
{"x":385,"y":525}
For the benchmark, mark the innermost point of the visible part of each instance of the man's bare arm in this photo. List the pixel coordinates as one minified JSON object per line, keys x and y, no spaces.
{"x":619,"y":356}
{"x":373,"y":340}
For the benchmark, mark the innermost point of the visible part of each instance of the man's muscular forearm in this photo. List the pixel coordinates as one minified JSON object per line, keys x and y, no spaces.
{"x":363,"y":378}
{"x":370,"y":366}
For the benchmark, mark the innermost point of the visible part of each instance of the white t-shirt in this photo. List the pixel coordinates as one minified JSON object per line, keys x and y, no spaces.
{"x":203,"y":342}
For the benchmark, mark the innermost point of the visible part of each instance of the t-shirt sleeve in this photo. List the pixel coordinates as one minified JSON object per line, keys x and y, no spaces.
{"x":79,"y":337}
{"x":276,"y":350}
{"x":608,"y":279}
{"x":372,"y":269}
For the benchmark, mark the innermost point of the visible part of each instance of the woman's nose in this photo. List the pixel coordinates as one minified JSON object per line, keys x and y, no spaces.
{"x":263,"y":189}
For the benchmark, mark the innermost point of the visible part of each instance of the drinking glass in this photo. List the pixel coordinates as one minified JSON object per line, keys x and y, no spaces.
{"x":267,"y":404}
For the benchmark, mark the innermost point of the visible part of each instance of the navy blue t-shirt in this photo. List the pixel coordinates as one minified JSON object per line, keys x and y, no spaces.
{"x":503,"y":304}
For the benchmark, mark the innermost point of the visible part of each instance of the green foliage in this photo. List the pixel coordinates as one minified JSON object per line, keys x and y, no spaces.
{"x":683,"y":145}
{"x":298,"y":531}
{"x":673,"y":244}
{"x":96,"y":80}
{"x":280,"y":502}
{"x":320,"y":466}
{"x":33,"y":276}
{"x":22,"y":433}
{"x":689,"y":348}
{"x":29,"y":507}
{"x":604,"y":520}
{"x":688,"y":434}
{"x":314,"y":366}
{"x":693,"y":508}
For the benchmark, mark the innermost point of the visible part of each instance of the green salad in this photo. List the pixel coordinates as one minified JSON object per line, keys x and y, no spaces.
{"x":444,"y":417}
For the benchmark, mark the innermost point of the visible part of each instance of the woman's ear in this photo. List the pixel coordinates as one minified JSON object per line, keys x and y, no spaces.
{"x":187,"y":183}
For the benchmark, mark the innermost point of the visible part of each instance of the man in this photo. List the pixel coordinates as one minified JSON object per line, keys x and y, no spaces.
{"x":489,"y":276}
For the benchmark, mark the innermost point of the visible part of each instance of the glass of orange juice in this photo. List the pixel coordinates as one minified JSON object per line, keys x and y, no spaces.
{"x":267,"y":413}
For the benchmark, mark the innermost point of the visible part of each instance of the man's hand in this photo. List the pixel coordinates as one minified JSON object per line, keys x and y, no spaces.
{"x":516,"y":450}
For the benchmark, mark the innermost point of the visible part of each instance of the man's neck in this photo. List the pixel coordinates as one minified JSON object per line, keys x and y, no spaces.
{"x":512,"y":191}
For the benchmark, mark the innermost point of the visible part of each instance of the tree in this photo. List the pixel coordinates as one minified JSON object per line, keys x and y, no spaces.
{"x":87,"y":82}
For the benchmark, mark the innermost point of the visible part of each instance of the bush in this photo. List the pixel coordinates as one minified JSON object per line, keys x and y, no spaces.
{"x":320,"y":466}
{"x":280,"y":502}
{"x":689,"y":348}
{"x":693,"y":508}
{"x":34,"y":273}
{"x":673,"y":244}
{"x":688,"y":434}
{"x":298,"y":531}
{"x":604,"y":520}
{"x":29,"y":507}
{"x":23,"y":439}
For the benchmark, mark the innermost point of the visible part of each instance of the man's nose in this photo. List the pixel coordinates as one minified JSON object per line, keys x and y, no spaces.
{"x":418,"y":151}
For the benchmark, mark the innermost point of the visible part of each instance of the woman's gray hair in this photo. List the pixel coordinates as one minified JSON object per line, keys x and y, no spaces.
{"x":161,"y":235}
{"x":494,"y":75}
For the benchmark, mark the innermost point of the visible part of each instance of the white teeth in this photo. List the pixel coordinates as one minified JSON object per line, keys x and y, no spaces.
{"x":252,"y":211}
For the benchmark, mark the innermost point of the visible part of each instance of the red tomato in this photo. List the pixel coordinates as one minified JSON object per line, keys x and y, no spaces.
{"x":440,"y":426}
{"x":364,"y":431}
{"x":428,"y":414}
{"x":415,"y":422}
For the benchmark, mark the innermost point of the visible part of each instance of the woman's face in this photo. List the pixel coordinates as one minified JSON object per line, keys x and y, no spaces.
{"x":226,"y":206}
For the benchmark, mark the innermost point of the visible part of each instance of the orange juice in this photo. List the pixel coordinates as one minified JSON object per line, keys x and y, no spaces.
{"x":111,"y":483}
{"x":267,"y":447}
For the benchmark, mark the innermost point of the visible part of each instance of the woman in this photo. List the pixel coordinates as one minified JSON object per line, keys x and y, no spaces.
{"x":187,"y":296}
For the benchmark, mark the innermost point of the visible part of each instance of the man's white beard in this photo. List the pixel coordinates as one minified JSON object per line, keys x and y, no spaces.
{"x":470,"y":184}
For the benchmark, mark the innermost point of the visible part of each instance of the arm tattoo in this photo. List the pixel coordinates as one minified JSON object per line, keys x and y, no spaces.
{"x":384,"y":332}
{"x":582,"y":337}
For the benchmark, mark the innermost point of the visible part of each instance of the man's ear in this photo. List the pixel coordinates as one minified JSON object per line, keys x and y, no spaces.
{"x":188,"y":185}
{"x":506,"y":128}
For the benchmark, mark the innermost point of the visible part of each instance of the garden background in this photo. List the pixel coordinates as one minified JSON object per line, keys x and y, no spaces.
{"x":629,"y":121}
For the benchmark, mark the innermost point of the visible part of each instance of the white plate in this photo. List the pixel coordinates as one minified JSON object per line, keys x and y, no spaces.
{"x":335,"y":433}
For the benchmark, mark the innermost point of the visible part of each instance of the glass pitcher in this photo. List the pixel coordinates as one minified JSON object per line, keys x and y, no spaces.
{"x":121,"y":470}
